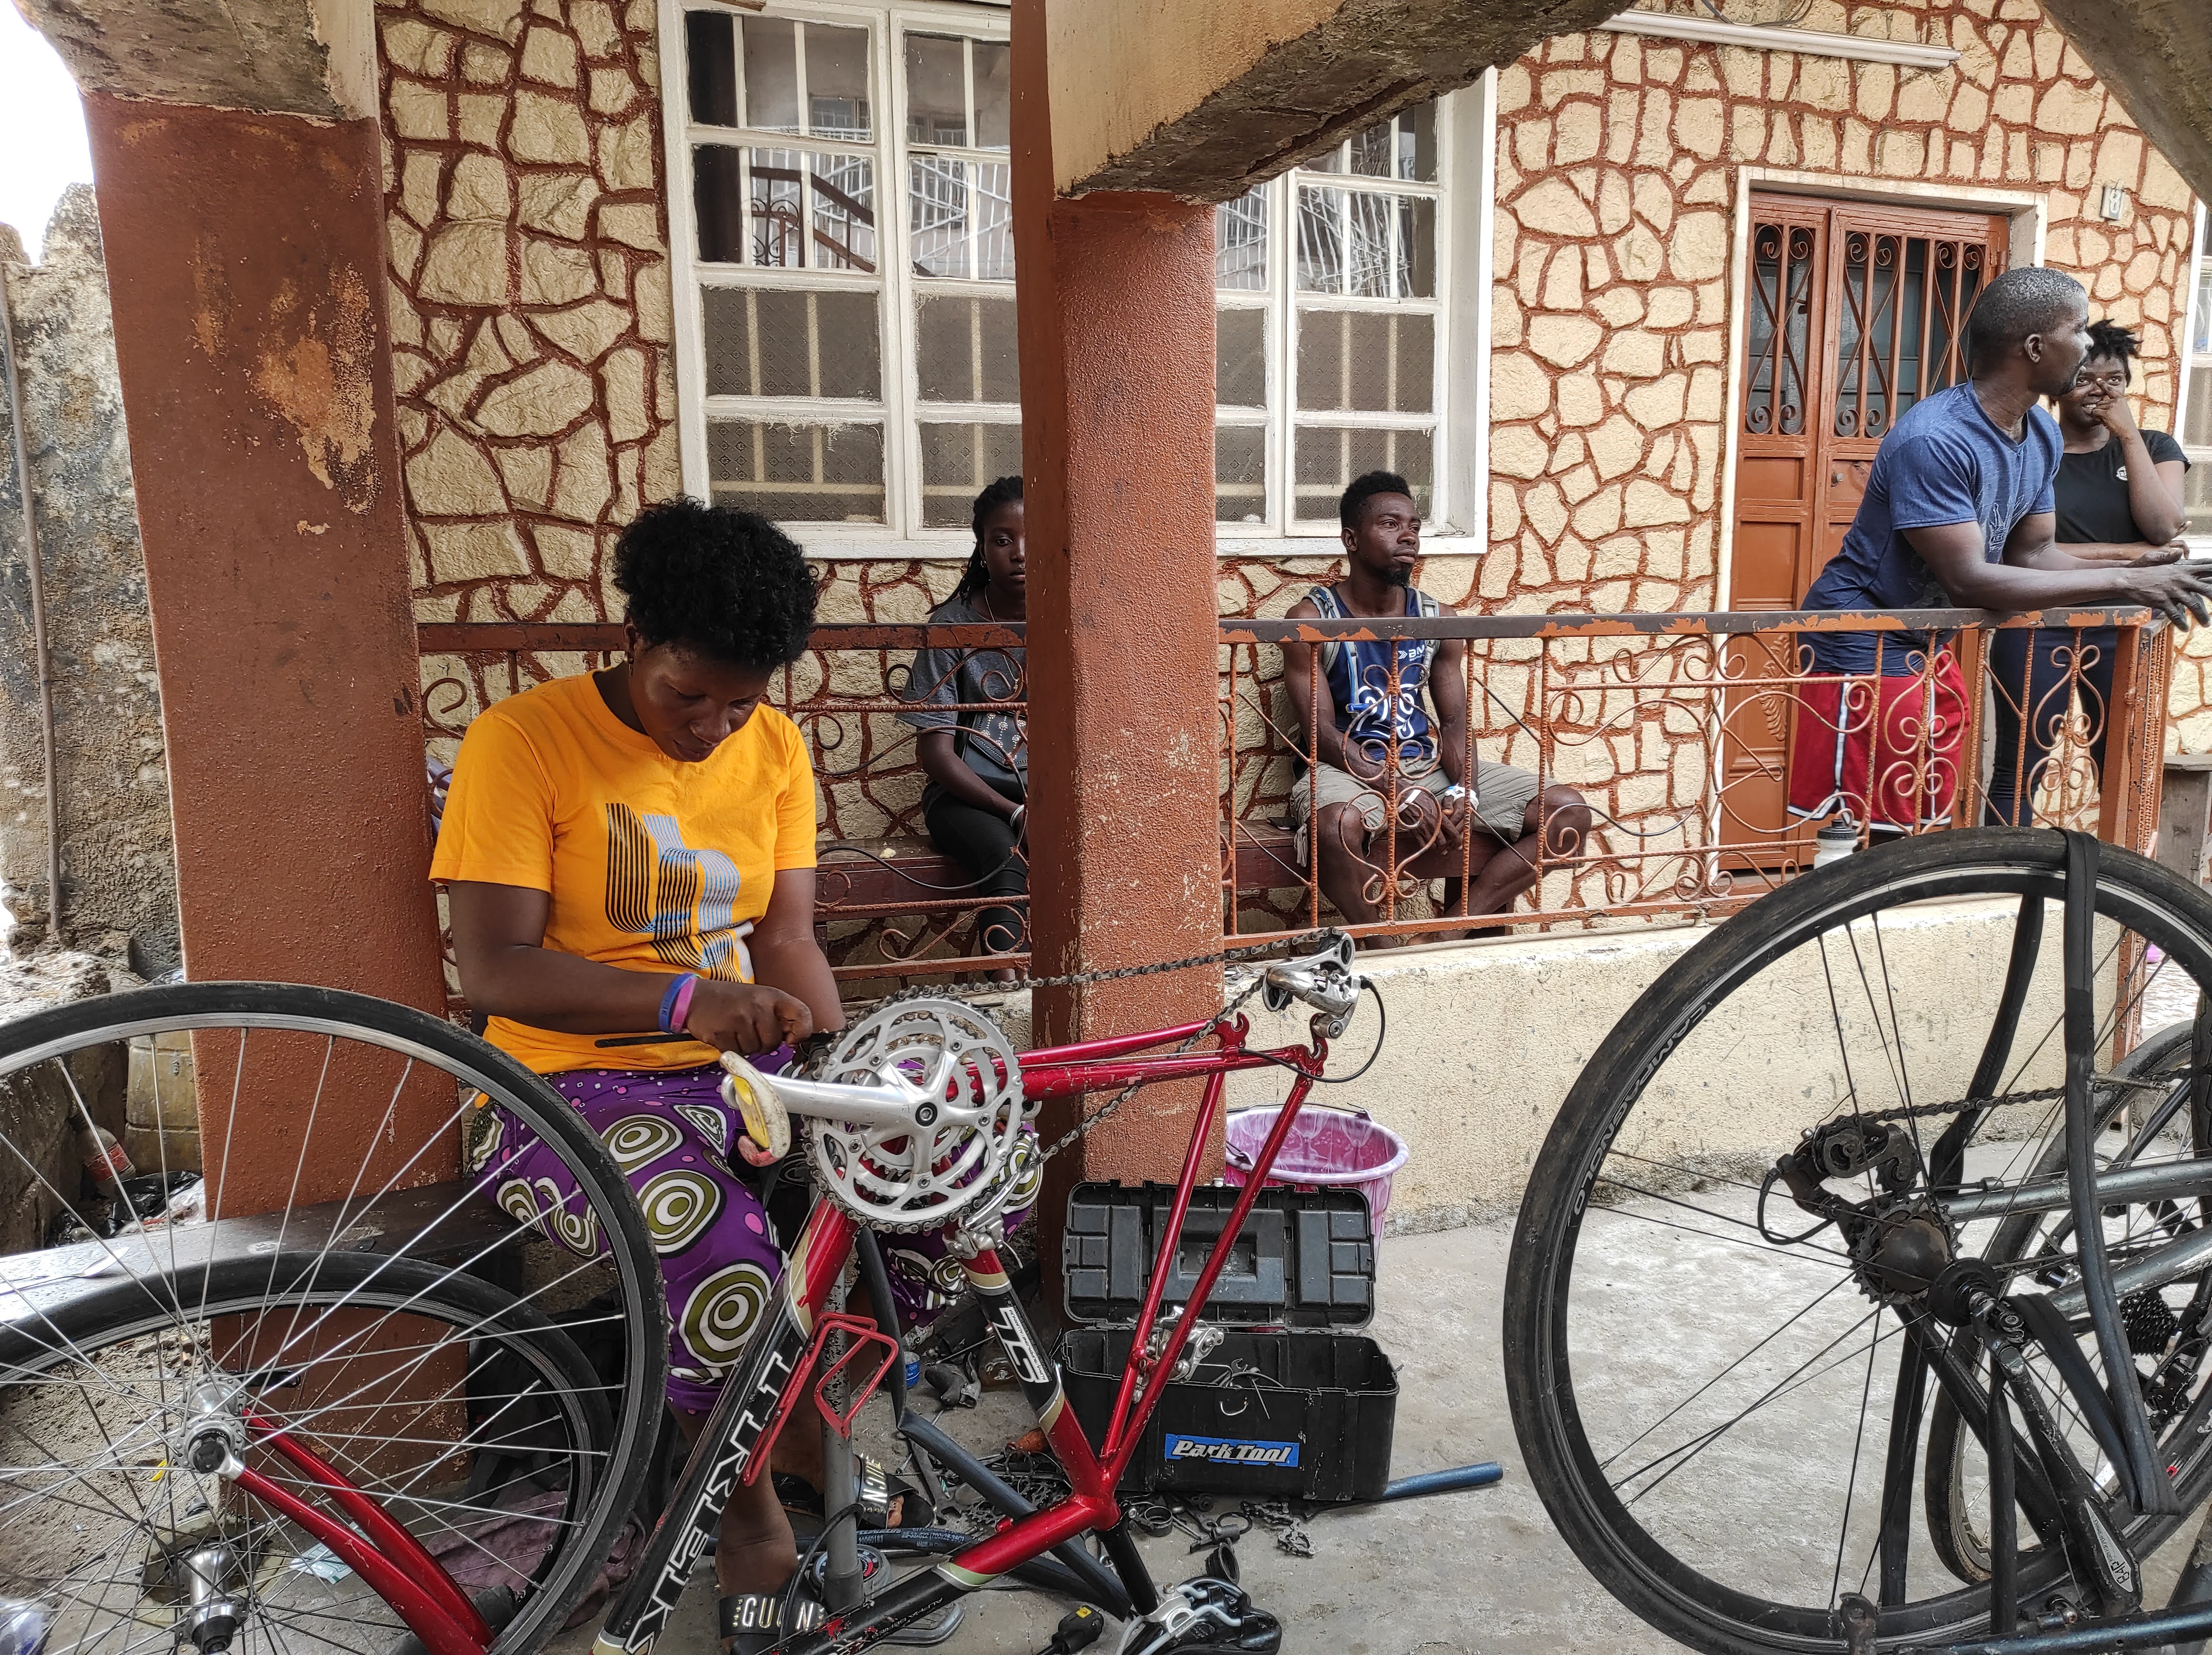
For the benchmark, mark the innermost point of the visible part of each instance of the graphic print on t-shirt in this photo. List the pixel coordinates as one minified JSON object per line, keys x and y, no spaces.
{"x":684,"y":900}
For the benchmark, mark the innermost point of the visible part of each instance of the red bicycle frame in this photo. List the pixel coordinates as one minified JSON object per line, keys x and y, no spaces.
{"x":734,"y":1442}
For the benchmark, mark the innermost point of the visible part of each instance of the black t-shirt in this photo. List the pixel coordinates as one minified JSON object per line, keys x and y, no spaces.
{"x":2092,"y":490}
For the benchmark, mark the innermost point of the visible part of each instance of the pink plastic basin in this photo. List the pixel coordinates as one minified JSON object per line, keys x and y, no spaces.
{"x":1326,"y":1148}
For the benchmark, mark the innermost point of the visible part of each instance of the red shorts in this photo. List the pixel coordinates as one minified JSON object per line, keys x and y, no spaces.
{"x":1884,"y":751}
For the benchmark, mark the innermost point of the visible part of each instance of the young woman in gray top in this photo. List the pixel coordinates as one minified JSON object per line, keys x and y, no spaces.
{"x":977,"y":761}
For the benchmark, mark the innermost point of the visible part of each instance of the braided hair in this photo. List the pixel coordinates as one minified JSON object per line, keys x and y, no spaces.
{"x":977,"y":574}
{"x":2110,"y":339}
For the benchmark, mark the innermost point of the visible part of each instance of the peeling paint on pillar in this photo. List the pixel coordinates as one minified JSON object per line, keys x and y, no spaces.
{"x":245,"y":257}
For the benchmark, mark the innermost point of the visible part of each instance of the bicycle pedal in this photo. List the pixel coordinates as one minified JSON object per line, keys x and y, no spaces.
{"x":1204,"y":1614}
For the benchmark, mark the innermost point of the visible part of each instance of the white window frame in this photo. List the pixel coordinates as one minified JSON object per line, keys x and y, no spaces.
{"x":2193,"y":362}
{"x":1464,"y":190}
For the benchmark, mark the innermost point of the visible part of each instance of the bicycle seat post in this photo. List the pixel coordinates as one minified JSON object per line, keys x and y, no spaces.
{"x":840,"y":1578}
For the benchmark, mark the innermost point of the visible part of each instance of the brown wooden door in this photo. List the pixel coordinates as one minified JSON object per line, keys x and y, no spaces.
{"x":1854,"y":313}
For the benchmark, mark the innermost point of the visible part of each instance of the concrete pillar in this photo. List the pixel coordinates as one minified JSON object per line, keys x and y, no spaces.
{"x":1115,"y":298}
{"x":245,"y":258}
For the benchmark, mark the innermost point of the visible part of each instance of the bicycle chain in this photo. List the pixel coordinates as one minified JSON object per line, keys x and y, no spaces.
{"x":817,"y":1047}
{"x":2040,"y":1095}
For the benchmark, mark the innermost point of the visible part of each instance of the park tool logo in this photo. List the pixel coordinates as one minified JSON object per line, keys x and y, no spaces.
{"x":1230,"y":1450}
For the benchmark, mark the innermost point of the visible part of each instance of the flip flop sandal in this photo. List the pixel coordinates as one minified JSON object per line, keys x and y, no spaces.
{"x":752,"y":1621}
{"x":879,"y":1489}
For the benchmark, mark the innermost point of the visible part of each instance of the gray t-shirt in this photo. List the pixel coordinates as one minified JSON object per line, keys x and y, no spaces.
{"x":947,"y":683}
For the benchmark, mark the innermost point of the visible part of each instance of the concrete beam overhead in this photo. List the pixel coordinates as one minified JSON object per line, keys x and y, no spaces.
{"x":2156,"y":56}
{"x":1203,"y":101}
{"x":271,"y":57}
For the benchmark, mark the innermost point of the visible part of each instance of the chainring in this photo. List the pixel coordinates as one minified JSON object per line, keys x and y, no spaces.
{"x":894,"y":1179}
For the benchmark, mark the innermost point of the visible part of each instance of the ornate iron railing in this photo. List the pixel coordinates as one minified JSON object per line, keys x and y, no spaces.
{"x":1671,"y":727}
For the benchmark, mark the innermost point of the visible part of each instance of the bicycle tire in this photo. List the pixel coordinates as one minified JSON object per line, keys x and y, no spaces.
{"x":395,"y":1092}
{"x":112,"y":1342}
{"x":1950,"y":1513}
{"x":1652,"y":1575}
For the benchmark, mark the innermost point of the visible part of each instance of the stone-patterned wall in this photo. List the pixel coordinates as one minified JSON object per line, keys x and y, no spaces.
{"x":1616,"y":159}
{"x":530,"y":295}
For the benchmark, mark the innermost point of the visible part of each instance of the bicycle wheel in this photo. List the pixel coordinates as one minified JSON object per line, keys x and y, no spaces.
{"x":2135,"y":1128}
{"x":329,"y":1125}
{"x":1715,"y":1392}
{"x":468,"y":1416}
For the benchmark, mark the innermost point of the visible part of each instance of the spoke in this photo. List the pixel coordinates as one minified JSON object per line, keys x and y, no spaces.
{"x":1765,"y":1249}
{"x":1852,"y":1485}
{"x":1826,"y":1293}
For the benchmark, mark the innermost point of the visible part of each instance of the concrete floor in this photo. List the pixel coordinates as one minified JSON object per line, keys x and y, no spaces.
{"x":1461,"y":1573}
{"x":1469,"y":1571}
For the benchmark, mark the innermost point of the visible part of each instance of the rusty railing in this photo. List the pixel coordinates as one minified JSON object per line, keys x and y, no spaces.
{"x":1674,"y":729}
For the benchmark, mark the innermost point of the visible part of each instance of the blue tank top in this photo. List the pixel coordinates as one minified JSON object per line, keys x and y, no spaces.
{"x":1359,"y":686}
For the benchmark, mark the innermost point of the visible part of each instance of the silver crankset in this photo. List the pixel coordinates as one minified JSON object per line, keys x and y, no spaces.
{"x":914,"y":1115}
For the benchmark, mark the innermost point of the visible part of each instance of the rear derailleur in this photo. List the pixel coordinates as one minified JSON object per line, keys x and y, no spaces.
{"x":1898,"y":1241}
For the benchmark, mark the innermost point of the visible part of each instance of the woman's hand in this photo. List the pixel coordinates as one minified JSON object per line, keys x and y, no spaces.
{"x":2115,"y":416}
{"x":746,"y":1017}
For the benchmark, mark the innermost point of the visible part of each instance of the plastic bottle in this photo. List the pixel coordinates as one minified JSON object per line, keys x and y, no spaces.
{"x":1833,"y":843}
{"x":105,"y":1159}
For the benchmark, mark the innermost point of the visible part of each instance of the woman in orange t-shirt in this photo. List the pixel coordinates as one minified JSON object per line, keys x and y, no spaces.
{"x":632,"y":850}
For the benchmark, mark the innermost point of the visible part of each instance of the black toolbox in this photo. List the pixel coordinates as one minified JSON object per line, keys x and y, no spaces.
{"x":1290,"y":1404}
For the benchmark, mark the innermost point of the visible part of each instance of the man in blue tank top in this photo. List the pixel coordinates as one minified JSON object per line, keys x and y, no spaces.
{"x":1471,"y":823}
{"x":1958,"y":510}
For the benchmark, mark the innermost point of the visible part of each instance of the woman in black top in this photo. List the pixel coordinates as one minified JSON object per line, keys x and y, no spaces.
{"x":977,"y":762}
{"x":2119,"y":493}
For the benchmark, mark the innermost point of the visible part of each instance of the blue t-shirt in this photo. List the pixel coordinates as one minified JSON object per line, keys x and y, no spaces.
{"x":1945,"y":462}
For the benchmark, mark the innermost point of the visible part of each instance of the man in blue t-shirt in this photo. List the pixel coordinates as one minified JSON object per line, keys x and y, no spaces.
{"x":1958,"y":510}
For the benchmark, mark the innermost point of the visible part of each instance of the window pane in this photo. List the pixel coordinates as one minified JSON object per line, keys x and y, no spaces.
{"x":2197,"y":418}
{"x":1329,"y":457}
{"x":710,"y":54}
{"x":797,"y":472}
{"x":771,"y":74}
{"x":1329,"y":160}
{"x":1321,"y":240}
{"x":1376,"y":361}
{"x":760,"y":342}
{"x":1240,"y":243}
{"x":1417,"y":247}
{"x":779,"y":226}
{"x":2197,"y":497}
{"x":1240,"y":474}
{"x":960,"y":214}
{"x":994,"y":80}
{"x":1240,"y":358}
{"x":2200,"y":332}
{"x":992,"y":197}
{"x":964,"y":351}
{"x":1417,"y":143}
{"x":957,"y":461}
{"x":837,"y":83}
{"x":718,"y":202}
{"x":1371,"y":152}
{"x":844,"y":188}
{"x":937,"y":215}
{"x":1367,"y":261}
{"x":936,"y":90}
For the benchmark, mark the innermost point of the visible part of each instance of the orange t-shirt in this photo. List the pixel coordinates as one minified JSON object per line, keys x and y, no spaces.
{"x":653,"y":864}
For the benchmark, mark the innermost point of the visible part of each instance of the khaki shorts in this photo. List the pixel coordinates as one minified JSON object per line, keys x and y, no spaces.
{"x":1502,"y":795}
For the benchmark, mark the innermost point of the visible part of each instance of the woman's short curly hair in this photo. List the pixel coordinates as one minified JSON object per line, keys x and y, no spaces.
{"x":724,"y":584}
